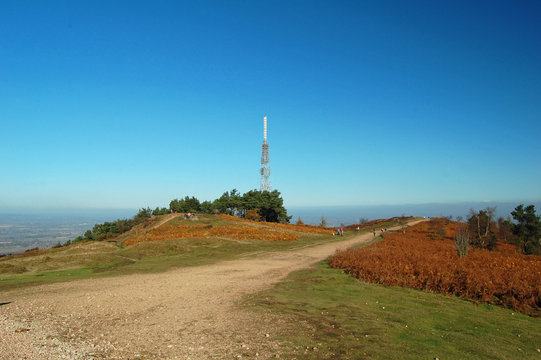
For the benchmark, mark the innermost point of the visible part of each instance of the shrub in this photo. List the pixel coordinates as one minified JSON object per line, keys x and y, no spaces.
{"x":252,"y":215}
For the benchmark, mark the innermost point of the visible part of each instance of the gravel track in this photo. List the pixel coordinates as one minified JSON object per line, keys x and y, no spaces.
{"x":185,"y":313}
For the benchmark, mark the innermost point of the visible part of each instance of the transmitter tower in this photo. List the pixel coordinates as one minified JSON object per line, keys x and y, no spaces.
{"x":265,"y":170}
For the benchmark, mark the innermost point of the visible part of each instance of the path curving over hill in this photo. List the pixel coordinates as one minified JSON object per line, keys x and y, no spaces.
{"x":185,"y":313}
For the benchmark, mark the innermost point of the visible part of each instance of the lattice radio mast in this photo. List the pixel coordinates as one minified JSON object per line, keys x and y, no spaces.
{"x":265,"y":168}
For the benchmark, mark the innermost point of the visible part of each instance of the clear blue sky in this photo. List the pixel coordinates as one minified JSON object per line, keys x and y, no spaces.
{"x":125,"y":104}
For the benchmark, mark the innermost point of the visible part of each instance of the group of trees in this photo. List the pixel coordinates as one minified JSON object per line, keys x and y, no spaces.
{"x":113,"y":228}
{"x":253,"y":205}
{"x":188,"y":204}
{"x":482,"y":228}
{"x":482,"y":231}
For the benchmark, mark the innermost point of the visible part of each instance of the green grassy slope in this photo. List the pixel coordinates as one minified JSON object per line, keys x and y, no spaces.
{"x":342,"y":318}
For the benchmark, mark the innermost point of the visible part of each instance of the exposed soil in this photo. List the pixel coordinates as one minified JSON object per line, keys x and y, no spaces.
{"x":185,"y":313}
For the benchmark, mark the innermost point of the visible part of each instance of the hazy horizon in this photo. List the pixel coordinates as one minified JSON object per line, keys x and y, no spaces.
{"x":129,"y":212}
{"x":23,"y":230}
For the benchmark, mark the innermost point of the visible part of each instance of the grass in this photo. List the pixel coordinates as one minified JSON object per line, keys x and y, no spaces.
{"x":97,"y":259}
{"x":339,"y":317}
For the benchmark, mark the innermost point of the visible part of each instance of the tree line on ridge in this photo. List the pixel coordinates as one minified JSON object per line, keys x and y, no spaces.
{"x":253,"y":205}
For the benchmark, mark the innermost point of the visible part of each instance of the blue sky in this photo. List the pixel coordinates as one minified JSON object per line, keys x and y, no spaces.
{"x":125,"y":104}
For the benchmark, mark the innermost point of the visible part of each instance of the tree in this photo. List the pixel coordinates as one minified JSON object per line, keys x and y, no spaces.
{"x":527,"y":229}
{"x":323,"y":222}
{"x":235,"y":203}
{"x":174,"y":205}
{"x":462,"y":239}
{"x":142,"y":215}
{"x":230,"y":203}
{"x":299,"y":221}
{"x":403,"y":226}
{"x":505,"y":230}
{"x":88,"y":235}
{"x":481,"y":227}
{"x":105,"y":230}
{"x":160,"y":211}
{"x":207,"y":207}
{"x":124,"y":225}
{"x":272,"y":207}
{"x":78,"y":238}
{"x":188,"y":204}
{"x":269,"y":204}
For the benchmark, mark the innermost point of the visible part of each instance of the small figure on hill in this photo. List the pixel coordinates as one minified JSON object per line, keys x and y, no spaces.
{"x":374,"y":231}
{"x":341,"y":231}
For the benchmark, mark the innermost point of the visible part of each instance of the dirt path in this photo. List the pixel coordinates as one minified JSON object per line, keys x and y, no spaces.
{"x":164,"y":219}
{"x":187,"y":313}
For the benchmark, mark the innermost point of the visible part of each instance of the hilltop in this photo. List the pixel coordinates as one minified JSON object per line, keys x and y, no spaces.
{"x":161,"y":242}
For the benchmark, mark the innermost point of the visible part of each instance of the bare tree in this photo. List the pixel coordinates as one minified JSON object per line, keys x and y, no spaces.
{"x":403,"y":226}
{"x":490,"y":211}
{"x":323,"y":222}
{"x":462,"y":239}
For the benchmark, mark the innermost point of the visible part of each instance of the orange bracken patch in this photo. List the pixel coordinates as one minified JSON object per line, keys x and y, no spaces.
{"x":200,"y":231}
{"x":424,"y":258}
{"x":292,"y":227}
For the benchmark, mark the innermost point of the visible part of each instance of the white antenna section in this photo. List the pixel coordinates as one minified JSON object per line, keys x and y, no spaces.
{"x":265,"y":170}
{"x":265,"y":128}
